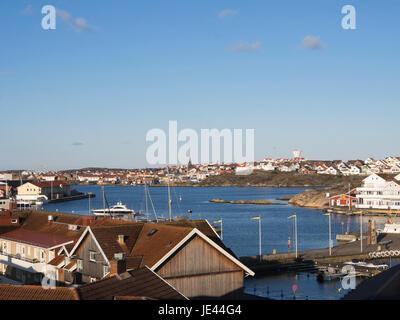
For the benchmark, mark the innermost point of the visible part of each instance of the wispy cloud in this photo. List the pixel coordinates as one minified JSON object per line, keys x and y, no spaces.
{"x":243,"y":46}
{"x":28,"y":10}
{"x":227,"y":12}
{"x":5,"y":74}
{"x":312,"y":42}
{"x":78,"y":24}
{"x":77,"y":144}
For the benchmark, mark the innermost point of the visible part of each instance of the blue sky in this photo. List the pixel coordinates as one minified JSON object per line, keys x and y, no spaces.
{"x":86,"y":93}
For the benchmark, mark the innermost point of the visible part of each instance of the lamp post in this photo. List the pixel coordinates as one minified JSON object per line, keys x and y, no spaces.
{"x":330,"y":237}
{"x":259,"y":232}
{"x":295,"y":229}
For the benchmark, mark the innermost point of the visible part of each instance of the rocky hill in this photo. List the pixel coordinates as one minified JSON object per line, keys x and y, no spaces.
{"x":281,"y":179}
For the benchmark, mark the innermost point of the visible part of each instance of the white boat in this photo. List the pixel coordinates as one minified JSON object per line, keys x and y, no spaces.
{"x":390,"y":228}
{"x":118,"y":209}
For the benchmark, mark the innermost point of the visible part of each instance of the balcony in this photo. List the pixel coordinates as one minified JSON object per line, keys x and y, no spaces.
{"x":17,"y":261}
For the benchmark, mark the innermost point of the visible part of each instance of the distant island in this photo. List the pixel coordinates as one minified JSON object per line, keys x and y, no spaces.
{"x":259,"y":202}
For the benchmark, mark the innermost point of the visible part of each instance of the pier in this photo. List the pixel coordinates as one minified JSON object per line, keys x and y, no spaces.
{"x":74,"y":197}
{"x":388,"y":246}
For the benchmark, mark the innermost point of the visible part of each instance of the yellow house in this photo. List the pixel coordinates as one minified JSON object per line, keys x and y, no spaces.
{"x":31,"y":191}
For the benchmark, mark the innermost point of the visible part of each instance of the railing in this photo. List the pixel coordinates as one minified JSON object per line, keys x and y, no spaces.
{"x":19,"y":257}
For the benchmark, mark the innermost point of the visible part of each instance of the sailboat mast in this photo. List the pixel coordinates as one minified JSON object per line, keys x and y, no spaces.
{"x":169,"y":198}
{"x":145,"y":196}
{"x":104,"y":199}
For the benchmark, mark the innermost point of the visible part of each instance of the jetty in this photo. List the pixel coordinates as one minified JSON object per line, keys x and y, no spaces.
{"x":387,"y":246}
{"x":259,"y":202}
{"x":74,"y":197}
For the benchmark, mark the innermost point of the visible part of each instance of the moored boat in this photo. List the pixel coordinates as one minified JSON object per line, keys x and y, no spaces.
{"x":118,"y":209}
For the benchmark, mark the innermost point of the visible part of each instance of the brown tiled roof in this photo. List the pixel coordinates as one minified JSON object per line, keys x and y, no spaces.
{"x":156,"y":240}
{"x":107,"y":236}
{"x":38,"y":221}
{"x":132,"y":298}
{"x":12,"y":292}
{"x":139,"y":283}
{"x":35,"y":238}
{"x":133,"y":263}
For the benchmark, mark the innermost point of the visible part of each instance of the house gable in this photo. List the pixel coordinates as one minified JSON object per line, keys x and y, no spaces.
{"x":196,"y":257}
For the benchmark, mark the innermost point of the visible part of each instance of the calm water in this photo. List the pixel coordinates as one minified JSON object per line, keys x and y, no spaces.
{"x":240,"y":232}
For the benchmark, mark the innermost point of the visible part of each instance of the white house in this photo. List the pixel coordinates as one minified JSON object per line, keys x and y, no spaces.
{"x":267,"y":166}
{"x":378,"y":193}
{"x":88,"y":178}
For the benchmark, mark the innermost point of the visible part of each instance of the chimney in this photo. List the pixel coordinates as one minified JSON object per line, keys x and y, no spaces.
{"x":118,"y":264}
{"x":121,"y":239}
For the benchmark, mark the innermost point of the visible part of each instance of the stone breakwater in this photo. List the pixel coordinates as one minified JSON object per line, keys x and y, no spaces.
{"x":260,"y":202}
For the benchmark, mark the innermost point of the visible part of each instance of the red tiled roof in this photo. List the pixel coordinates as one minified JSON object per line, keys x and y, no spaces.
{"x":49,"y":184}
{"x":57,"y":260}
{"x":35,"y":238}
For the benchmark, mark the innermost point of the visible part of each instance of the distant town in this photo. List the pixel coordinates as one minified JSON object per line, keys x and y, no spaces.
{"x":195,"y":173}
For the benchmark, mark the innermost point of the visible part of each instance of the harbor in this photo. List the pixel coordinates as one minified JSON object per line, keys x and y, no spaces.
{"x":238,"y":229}
{"x":240,"y":232}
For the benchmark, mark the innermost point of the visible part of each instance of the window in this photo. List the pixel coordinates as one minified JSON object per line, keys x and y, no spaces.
{"x":106,"y":270}
{"x":79,"y":265}
{"x":42,"y":256}
{"x":92,"y":256}
{"x":36,"y":253}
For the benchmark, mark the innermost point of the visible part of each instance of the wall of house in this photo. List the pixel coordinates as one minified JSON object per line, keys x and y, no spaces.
{"x":28,"y":189}
{"x":200,"y":270}
{"x":90,"y":269}
{"x":25,"y":250}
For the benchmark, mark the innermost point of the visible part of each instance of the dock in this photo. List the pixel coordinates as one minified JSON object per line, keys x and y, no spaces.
{"x":388,"y":246}
{"x":74,"y":197}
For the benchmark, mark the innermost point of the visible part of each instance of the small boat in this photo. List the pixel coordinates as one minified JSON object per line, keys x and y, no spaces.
{"x":118,"y":209}
{"x":330,"y":274}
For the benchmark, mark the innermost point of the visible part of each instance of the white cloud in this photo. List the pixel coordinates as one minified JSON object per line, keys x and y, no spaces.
{"x":312,"y":42}
{"x":245,"y":46}
{"x":27,"y":10}
{"x":227,"y":12}
{"x":78,"y":24}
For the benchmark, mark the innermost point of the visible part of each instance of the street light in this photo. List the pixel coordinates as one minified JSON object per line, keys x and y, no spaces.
{"x":295,"y":229}
{"x":259,"y":231}
{"x":330,"y":237}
